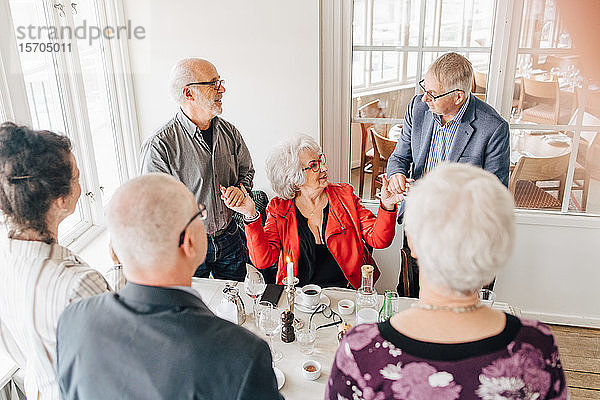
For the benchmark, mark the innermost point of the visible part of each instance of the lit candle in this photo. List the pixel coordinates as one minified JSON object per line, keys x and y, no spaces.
{"x":290,"y":270}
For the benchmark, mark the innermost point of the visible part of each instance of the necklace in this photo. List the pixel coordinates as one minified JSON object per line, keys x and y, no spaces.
{"x":317,"y":206}
{"x":431,"y":307}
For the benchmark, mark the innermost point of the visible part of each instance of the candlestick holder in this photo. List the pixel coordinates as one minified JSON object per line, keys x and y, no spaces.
{"x":290,"y":291}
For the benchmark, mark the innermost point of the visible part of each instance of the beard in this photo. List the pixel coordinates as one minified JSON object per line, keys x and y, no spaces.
{"x":209,"y":104}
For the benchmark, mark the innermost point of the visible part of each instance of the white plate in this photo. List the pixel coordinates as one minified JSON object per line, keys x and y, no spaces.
{"x":280,"y":377}
{"x":309,"y":309}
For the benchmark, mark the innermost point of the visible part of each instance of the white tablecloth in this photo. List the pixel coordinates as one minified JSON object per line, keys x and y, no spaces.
{"x":296,"y":387}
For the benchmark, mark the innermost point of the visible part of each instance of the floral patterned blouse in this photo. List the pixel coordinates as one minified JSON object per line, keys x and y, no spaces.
{"x":376,"y":362}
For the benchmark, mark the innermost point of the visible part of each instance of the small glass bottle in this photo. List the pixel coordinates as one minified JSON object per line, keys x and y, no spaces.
{"x":387,"y":309}
{"x":366,"y":298}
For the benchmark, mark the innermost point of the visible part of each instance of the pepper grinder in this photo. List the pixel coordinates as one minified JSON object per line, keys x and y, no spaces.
{"x":287,"y":317}
{"x":287,"y":327}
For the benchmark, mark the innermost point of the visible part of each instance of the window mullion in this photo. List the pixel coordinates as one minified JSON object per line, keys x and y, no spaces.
{"x":421,"y":44}
{"x":574,"y":147}
{"x":120,"y":83}
{"x":76,"y":119}
{"x":503,"y":61}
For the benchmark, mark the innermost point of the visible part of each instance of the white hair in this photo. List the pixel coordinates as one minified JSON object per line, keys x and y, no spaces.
{"x":145,"y":217}
{"x":181,"y":74}
{"x":461,"y":224}
{"x":284,"y":169}
{"x":453,"y":71}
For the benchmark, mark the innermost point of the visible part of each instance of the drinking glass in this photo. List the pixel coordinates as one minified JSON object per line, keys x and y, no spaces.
{"x":254,"y":286}
{"x":306,"y":338}
{"x":268,"y":322}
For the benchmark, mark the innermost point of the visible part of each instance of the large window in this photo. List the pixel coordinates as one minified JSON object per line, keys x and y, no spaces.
{"x":73,"y":84}
{"x":526,"y":68}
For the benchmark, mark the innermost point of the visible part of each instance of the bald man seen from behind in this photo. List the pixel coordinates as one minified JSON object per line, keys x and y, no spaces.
{"x":156,"y":339}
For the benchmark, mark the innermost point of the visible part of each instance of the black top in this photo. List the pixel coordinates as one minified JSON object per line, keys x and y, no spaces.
{"x":207,"y":135}
{"x":149,"y":342}
{"x":316,"y":264}
{"x":451,"y":351}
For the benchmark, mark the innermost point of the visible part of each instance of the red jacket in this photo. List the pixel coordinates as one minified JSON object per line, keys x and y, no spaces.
{"x":348,"y":224}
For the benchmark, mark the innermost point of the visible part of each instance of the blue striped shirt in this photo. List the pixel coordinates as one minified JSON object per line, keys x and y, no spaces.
{"x":442,"y":138}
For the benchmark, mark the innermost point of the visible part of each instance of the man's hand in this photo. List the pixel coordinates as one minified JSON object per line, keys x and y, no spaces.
{"x":238,"y":200}
{"x":389,"y":199}
{"x":397,"y":184}
{"x":234,"y":196}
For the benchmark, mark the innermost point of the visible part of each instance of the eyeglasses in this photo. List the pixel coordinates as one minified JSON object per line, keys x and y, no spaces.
{"x":434,"y":97}
{"x":327,"y":313}
{"x":202,"y":214}
{"x":315,"y":165}
{"x":215,"y":84}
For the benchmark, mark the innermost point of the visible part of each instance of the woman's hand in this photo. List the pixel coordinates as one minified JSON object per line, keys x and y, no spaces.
{"x":390,"y":199}
{"x":238,"y":200}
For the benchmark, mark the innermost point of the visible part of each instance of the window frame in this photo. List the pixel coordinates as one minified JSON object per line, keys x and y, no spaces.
{"x":336,"y":56}
{"x":119,"y":84}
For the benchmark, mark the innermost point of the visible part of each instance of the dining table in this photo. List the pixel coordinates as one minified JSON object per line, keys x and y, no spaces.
{"x":537,"y":144}
{"x":295,"y":385}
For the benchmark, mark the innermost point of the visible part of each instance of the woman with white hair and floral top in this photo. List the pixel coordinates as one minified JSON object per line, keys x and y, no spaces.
{"x":459,"y":221}
{"x":321,"y":227}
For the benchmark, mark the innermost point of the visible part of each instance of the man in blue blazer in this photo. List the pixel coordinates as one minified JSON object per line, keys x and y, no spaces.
{"x":447,"y":123}
{"x":156,"y":339}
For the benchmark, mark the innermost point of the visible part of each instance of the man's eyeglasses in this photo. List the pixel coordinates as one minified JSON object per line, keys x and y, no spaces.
{"x":315,"y":165}
{"x":215,"y":84}
{"x":202,"y":214}
{"x":434,"y":97}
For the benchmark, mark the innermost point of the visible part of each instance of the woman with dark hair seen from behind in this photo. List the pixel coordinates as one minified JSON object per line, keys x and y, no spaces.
{"x":39,"y":188}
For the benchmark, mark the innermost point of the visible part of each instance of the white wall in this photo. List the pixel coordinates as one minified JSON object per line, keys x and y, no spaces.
{"x":554,"y":272}
{"x":266,"y":50}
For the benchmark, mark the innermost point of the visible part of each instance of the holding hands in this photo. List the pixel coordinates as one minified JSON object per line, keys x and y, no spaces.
{"x":394,"y":190}
{"x":238,"y":200}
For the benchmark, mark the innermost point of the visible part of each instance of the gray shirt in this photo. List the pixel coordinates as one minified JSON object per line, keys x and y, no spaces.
{"x":179,"y":149}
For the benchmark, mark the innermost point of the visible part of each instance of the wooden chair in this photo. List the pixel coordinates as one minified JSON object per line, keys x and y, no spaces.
{"x":528,"y":171}
{"x":539,"y":101}
{"x":587,"y":168}
{"x":383,"y":149}
{"x":480,"y":84}
{"x":369,"y":110}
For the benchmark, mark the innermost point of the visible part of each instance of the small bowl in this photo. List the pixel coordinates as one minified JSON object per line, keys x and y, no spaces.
{"x":345,"y":307}
{"x":315,"y":370}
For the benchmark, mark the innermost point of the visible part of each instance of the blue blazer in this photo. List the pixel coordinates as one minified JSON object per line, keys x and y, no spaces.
{"x":482,"y":139}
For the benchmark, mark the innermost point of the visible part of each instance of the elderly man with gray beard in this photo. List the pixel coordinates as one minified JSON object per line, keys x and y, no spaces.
{"x":209,"y":156}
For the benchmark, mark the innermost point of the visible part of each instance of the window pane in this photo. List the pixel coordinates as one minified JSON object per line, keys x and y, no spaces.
{"x":38,"y":67}
{"x":358,"y":69}
{"x":545,"y":90}
{"x":97,"y":98}
{"x":394,"y":88}
{"x":541,"y":27}
{"x":359,"y":23}
{"x":386,"y":27}
{"x":460,"y":23}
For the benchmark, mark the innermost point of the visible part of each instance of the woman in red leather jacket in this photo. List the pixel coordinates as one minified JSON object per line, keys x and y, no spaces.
{"x":322,"y":227}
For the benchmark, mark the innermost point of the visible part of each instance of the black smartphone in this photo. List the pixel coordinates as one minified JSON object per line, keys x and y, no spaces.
{"x":272,"y":293}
